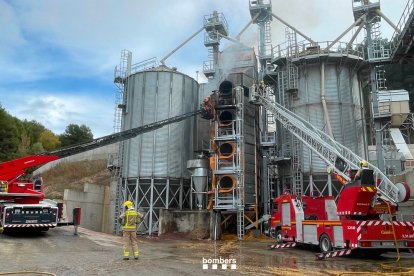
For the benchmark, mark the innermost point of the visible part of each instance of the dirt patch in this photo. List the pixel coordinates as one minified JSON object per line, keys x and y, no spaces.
{"x":73,"y":175}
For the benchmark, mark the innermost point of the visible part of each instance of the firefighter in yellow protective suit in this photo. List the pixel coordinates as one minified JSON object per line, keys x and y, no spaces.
{"x":363,"y":165}
{"x":129,"y":219}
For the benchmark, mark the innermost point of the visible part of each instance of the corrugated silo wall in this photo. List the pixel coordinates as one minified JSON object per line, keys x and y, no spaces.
{"x":153,"y":96}
{"x":343,"y":98}
{"x":251,"y":134}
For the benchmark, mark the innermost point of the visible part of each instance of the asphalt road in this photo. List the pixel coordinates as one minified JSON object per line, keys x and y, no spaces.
{"x":59,"y":252}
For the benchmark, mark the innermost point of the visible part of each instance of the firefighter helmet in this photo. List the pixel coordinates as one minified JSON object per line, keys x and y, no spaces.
{"x":363,"y":163}
{"x":128,"y":204}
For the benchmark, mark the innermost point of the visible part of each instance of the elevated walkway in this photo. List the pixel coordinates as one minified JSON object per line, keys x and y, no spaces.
{"x":402,"y":46}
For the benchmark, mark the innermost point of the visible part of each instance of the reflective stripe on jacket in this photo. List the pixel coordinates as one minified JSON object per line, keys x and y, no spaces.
{"x":130,"y":220}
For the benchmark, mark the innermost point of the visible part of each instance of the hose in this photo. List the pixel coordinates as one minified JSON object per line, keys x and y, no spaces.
{"x":27,"y":272}
{"x":393,"y":231}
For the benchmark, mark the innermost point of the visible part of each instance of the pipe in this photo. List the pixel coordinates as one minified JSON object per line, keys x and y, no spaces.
{"x":181,"y":45}
{"x":354,"y":36}
{"x":293,"y":28}
{"x":233,"y":40}
{"x":345,"y":32}
{"x":388,"y":21}
{"x":247,"y":25}
{"x":325,"y":108}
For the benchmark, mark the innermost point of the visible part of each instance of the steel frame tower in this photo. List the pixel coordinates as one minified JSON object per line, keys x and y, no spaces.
{"x":216,"y":27}
{"x":228,"y":171}
{"x":261,"y":13}
{"x":377,"y":55}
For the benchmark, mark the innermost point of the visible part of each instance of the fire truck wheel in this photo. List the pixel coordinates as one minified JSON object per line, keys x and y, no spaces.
{"x":272,"y":232}
{"x":325,"y":244}
{"x":278,"y":236}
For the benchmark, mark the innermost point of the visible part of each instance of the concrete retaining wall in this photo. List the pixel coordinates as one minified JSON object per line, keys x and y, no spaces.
{"x":96,"y":154}
{"x":94,"y":202}
{"x":199,"y":224}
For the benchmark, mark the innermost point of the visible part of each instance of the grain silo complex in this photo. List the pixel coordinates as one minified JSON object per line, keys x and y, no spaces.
{"x":285,"y":147}
{"x":289,"y":118}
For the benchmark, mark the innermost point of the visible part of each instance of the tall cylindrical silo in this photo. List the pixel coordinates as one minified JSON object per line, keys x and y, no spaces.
{"x":330,"y":98}
{"x":154,"y":96}
{"x":154,"y":171}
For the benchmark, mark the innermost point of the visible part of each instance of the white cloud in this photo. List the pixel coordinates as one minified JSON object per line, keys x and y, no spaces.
{"x":56,"y":110}
{"x":76,"y":39}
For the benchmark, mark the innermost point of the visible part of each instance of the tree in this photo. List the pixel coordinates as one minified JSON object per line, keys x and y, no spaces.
{"x":49,"y":140}
{"x":37,"y":148}
{"x":9,"y":140}
{"x":29,"y":134}
{"x":75,"y":134}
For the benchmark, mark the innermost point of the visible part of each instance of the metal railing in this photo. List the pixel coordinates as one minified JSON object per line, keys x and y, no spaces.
{"x":208,"y":66}
{"x":215,"y":19}
{"x":211,"y":38}
{"x":259,"y":3}
{"x":401,"y":24}
{"x":144,"y":65}
{"x":307,"y":48}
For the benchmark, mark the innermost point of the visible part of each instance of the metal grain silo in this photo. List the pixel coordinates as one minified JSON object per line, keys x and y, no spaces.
{"x":154,"y":164}
{"x":330,"y":98}
{"x":321,"y":83}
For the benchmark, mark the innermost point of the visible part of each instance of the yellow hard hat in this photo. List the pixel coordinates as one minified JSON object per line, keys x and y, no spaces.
{"x":363,"y":163}
{"x":128,"y":204}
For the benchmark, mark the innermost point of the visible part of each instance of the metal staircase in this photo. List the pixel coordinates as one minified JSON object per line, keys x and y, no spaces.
{"x":266,"y":47}
{"x":378,"y":49}
{"x":240,"y":223}
{"x":297,"y":172}
{"x":119,"y":195}
{"x":121,"y":72}
{"x":337,"y":156}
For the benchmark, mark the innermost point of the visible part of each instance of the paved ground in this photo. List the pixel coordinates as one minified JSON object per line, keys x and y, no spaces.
{"x":60,"y":252}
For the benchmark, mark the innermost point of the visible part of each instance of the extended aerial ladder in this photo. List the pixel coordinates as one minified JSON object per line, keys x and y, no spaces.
{"x":11,"y":170}
{"x":23,"y":203}
{"x":338,"y":157}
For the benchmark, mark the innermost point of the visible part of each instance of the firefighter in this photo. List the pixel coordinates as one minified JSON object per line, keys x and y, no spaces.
{"x":129,"y":220}
{"x":261,"y":87}
{"x":363,"y":165}
{"x":206,"y":109}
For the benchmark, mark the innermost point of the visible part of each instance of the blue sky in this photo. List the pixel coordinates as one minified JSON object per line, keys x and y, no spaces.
{"x":57,"y":58}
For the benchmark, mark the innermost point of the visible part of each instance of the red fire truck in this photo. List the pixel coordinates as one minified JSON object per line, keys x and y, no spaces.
{"x":360,"y":218}
{"x":364,"y":214}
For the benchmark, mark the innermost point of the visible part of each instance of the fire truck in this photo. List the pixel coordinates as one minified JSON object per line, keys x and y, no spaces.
{"x":364,"y":214}
{"x":22,"y":201}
